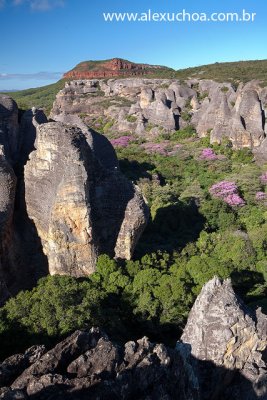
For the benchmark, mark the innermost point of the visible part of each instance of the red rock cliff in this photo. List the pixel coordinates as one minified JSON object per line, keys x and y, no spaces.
{"x":111,"y":68}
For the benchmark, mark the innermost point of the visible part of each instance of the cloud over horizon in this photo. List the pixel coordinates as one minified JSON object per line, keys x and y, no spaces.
{"x":36,"y":76}
{"x":36,"y":5}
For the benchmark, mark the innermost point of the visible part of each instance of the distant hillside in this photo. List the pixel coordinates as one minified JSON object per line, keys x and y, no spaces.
{"x":241,"y":71}
{"x":115,"y":67}
{"x":41,"y":97}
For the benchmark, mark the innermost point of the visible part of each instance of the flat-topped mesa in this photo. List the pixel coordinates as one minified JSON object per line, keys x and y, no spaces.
{"x":111,"y":68}
{"x":80,"y":208}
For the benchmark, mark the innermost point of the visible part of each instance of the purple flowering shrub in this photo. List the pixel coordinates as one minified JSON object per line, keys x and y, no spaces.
{"x":260,"y":196}
{"x":208,"y":154}
{"x":228,"y":192}
{"x":122,"y":141}
{"x":263,"y":178}
{"x":160,"y":148}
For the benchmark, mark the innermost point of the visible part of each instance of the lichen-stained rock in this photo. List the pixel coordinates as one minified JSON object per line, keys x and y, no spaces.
{"x":9,"y":127}
{"x":223,"y":331}
{"x":80,"y":209}
{"x":249,"y":108}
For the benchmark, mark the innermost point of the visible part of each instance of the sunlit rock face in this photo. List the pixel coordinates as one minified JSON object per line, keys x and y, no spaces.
{"x":223,"y":331}
{"x":79,"y":207}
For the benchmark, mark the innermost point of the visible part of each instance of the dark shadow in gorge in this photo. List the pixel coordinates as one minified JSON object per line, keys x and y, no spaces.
{"x":172,"y":228}
{"x":29,"y":260}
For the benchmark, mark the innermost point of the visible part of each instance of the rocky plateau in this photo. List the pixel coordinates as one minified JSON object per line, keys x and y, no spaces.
{"x":149,"y":107}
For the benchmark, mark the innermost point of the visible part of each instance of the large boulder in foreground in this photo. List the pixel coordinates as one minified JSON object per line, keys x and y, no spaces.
{"x":80,"y":208}
{"x":230,"y":343}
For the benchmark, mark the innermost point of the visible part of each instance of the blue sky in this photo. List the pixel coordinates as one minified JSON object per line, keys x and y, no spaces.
{"x":41,"y":39}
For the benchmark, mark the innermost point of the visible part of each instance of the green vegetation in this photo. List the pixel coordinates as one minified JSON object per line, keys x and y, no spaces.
{"x":240,"y":71}
{"x":42,"y":97}
{"x":131,"y":118}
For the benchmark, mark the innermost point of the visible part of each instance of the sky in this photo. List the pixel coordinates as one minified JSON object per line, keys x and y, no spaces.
{"x":42,"y":39}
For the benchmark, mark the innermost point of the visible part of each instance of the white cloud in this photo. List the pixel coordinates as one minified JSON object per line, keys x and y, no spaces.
{"x":39,"y":5}
{"x":36,"y":76}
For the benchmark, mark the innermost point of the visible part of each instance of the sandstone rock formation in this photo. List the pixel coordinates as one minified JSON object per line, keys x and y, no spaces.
{"x":221,"y":330}
{"x":27,"y":132}
{"x":109,"y":68}
{"x":65,"y":203}
{"x":221,"y":356}
{"x":80,"y":208}
{"x":148,"y":107}
{"x":9,"y":127}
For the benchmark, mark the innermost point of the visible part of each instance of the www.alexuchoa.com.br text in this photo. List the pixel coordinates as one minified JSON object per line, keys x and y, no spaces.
{"x":182,"y":16}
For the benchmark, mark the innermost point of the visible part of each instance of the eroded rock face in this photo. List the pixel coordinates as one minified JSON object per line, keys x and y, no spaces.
{"x":9,"y":128}
{"x":88,"y":365}
{"x":133,"y":105}
{"x":80,"y":208}
{"x":27,"y":132}
{"x":149,"y":107}
{"x":223,"y":331}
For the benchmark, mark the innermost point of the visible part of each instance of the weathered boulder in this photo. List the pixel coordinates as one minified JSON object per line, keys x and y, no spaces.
{"x":222,"y":330}
{"x":248,"y":107}
{"x":99,"y":144}
{"x":9,"y":127}
{"x":80,"y":209}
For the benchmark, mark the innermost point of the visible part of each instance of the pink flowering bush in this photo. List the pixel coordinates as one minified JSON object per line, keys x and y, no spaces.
{"x":159,"y":148}
{"x":208,"y":154}
{"x":122,"y":141}
{"x":162,"y":148}
{"x":228,"y":192}
{"x":264,"y":178}
{"x":260,"y":196}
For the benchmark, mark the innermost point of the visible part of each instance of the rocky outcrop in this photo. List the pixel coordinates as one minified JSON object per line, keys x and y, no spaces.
{"x":221,"y":356}
{"x":110,"y":68}
{"x":80,"y":208}
{"x":149,"y":107}
{"x":9,"y":128}
{"x":134,"y":105}
{"x":27,"y":132}
{"x":223,"y":331}
{"x":88,"y":365}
